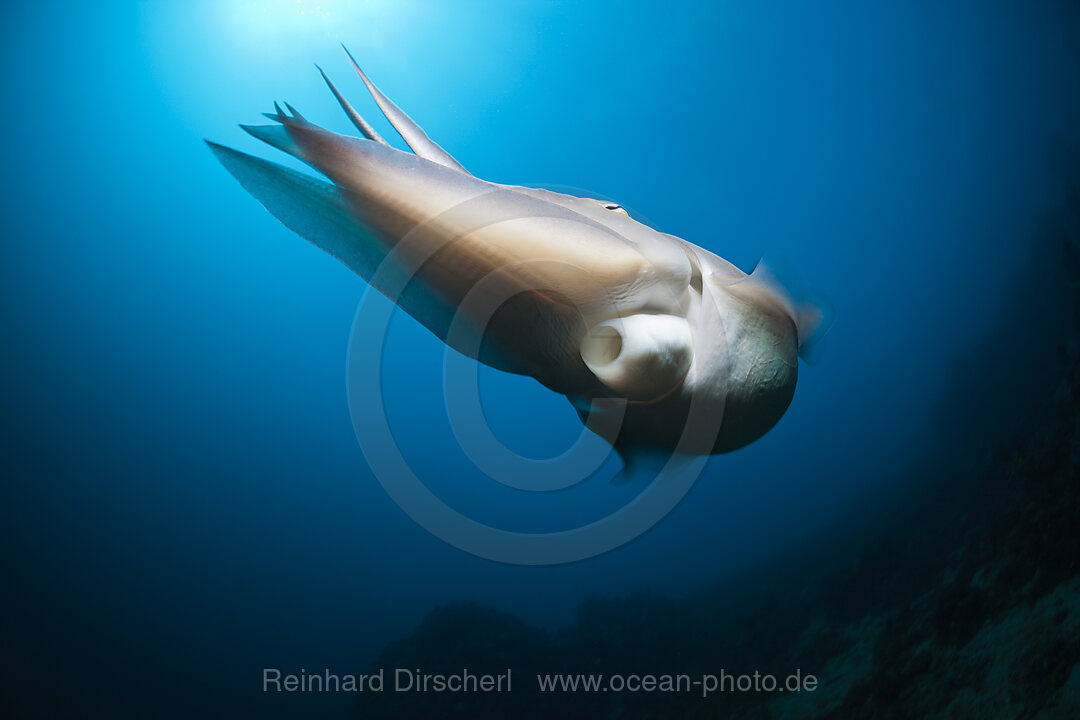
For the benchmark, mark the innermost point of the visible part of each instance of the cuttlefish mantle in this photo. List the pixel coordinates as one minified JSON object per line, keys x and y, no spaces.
{"x":659,"y":344}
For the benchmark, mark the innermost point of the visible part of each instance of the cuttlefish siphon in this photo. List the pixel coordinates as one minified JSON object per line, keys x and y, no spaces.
{"x":659,"y":344}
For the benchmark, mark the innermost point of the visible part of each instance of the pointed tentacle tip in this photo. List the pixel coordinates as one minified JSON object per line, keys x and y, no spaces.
{"x":220,"y":151}
{"x":326,"y":80}
{"x":322,"y":72}
{"x":325,"y":77}
{"x":354,"y":63}
{"x":295,"y":118}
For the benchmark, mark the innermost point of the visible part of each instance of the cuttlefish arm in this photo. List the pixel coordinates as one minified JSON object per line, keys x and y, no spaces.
{"x":522,"y":278}
{"x":361,"y":124}
{"x":410,"y":132}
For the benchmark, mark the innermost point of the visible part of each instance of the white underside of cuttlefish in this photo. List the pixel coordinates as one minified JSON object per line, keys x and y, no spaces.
{"x":660,"y":344}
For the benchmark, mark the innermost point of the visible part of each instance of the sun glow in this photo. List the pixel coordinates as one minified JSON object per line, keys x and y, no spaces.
{"x":263,"y":21}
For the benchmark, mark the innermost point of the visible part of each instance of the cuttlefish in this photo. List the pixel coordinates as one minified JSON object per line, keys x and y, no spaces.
{"x":659,"y":344}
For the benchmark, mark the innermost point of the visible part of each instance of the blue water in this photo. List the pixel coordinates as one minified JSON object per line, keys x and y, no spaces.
{"x":186,"y":502}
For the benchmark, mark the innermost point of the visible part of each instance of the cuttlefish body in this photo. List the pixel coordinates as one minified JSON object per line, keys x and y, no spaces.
{"x":658,"y":343}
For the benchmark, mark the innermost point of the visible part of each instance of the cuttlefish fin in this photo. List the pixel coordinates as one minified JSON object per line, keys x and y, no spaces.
{"x":809,"y":310}
{"x":314,"y":209}
{"x":410,"y":132}
{"x":815,"y":317}
{"x":633,"y":460}
{"x":650,"y":463}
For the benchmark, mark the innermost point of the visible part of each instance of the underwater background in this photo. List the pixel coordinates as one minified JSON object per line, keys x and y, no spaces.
{"x":184,"y":499}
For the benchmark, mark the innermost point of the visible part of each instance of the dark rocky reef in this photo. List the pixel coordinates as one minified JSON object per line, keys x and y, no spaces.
{"x":967,"y":603}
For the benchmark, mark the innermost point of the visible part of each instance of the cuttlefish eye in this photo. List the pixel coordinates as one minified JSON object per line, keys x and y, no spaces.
{"x":615,"y":207}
